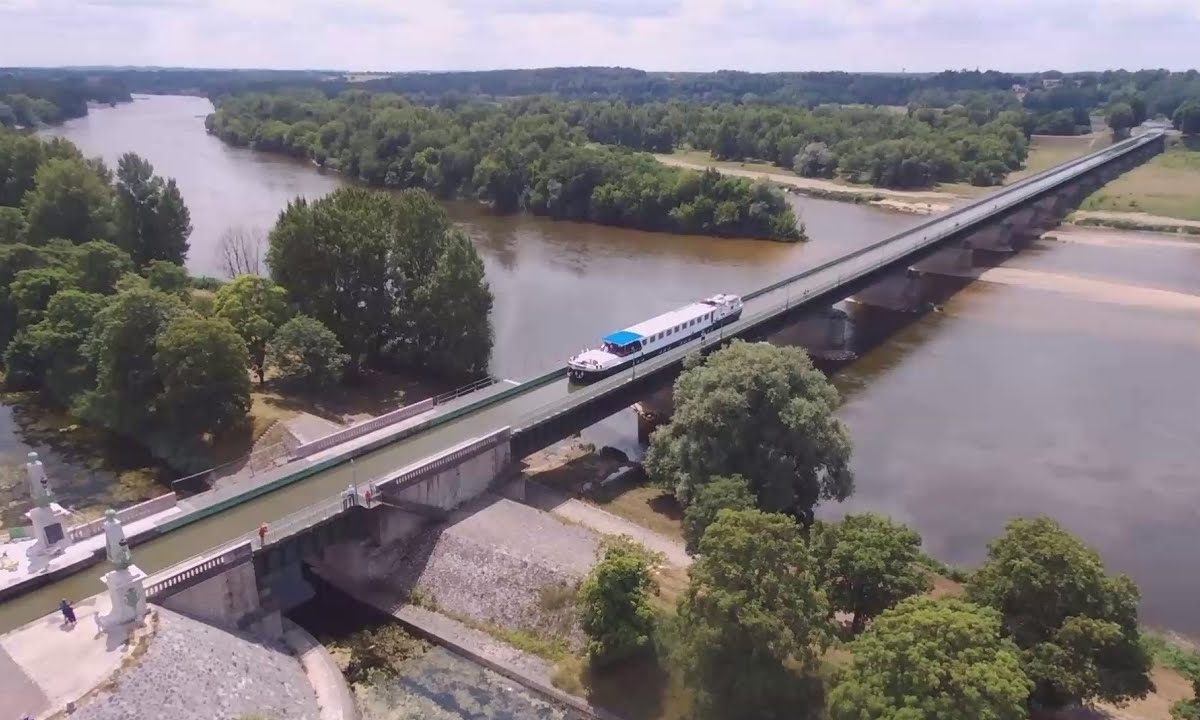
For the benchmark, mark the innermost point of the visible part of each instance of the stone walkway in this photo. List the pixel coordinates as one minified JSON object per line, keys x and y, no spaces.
{"x":45,"y":665}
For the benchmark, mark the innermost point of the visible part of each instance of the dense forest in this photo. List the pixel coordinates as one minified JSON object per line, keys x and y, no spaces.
{"x":545,"y":155}
{"x":526,"y":155}
{"x":1051,"y":102}
{"x":98,"y":314}
{"x":29,"y":98}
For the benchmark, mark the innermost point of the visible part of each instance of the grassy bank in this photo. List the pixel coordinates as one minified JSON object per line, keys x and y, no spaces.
{"x":1045,"y":151}
{"x":1168,"y":186}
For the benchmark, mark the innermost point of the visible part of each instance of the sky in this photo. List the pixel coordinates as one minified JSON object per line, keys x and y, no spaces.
{"x":699,"y":35}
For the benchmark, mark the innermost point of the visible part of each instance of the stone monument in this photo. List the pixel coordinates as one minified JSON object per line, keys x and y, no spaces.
{"x":127,"y":583}
{"x":46,"y":515}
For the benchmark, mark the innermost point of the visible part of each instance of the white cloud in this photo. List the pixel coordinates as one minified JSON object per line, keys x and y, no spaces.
{"x":651,"y":34}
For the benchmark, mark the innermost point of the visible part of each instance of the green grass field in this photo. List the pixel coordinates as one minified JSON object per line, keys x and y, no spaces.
{"x":1167,"y":186}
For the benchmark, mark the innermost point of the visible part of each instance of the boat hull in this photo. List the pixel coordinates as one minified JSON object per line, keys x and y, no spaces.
{"x":579,"y":376}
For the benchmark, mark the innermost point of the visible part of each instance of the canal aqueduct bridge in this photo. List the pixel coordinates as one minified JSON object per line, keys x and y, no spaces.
{"x":457,"y":455}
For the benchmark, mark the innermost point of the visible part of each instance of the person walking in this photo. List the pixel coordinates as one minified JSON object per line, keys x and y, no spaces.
{"x":68,"y":612}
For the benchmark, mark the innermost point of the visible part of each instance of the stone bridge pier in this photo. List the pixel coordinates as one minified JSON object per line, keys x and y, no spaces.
{"x":901,"y":290}
{"x":957,"y":260}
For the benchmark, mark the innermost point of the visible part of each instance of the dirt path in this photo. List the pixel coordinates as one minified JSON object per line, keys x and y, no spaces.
{"x":923,"y":202}
{"x":564,"y":506}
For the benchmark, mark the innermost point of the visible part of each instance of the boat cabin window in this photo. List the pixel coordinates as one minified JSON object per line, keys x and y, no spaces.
{"x":622,"y":350}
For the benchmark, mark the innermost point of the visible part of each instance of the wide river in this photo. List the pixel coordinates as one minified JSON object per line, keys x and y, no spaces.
{"x":1063,"y":383}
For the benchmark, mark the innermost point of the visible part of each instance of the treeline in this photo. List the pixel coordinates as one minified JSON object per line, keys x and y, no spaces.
{"x":98,"y":313}
{"x":753,"y":446}
{"x":514,"y":156}
{"x":29,"y":98}
{"x":978,"y":143}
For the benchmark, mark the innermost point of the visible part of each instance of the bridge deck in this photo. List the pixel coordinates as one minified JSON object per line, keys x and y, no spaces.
{"x":532,"y":405}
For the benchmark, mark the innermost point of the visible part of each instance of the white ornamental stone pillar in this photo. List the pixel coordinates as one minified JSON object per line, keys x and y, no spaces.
{"x":127,"y":583}
{"x":46,"y":515}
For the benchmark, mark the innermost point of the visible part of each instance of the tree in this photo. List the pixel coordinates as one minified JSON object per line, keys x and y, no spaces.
{"x":305,"y":350}
{"x":1187,"y":118}
{"x":205,"y":389}
{"x":31,"y":290}
{"x":931,"y":659}
{"x":751,"y":614}
{"x":614,"y":605}
{"x":153,"y":223}
{"x":169,"y":277}
{"x":868,"y":564}
{"x":721,"y":493}
{"x":53,"y":354}
{"x":69,"y":200}
{"x":99,"y":265}
{"x":256,"y":307}
{"x":124,"y":343}
{"x":1120,"y":118}
{"x":12,"y":226}
{"x":1076,"y":626}
{"x":387,"y":274}
{"x":764,"y":413}
{"x":241,"y":252}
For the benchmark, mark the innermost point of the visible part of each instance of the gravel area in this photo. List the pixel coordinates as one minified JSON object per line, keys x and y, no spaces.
{"x":193,"y":671}
{"x":492,"y":563}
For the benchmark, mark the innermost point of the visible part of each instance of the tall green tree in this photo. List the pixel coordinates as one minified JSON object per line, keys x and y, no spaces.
{"x":53,"y":354}
{"x":12,"y":226}
{"x":722,"y":493}
{"x":868,"y":564}
{"x":69,"y":200}
{"x":124,"y":344}
{"x":205,"y":389}
{"x":256,"y":308}
{"x":1187,"y":117}
{"x":169,"y":277}
{"x":20,"y":156}
{"x":304,"y":350}
{"x":153,"y":223}
{"x":1077,"y":627}
{"x":752,"y":621}
{"x":388,"y":275}
{"x":1120,"y":118}
{"x":99,"y":265}
{"x":762,"y":412}
{"x":931,"y":659}
{"x":31,"y":290}
{"x":614,"y":605}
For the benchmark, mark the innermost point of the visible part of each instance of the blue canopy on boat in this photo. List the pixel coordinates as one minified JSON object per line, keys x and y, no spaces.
{"x":621,"y":338}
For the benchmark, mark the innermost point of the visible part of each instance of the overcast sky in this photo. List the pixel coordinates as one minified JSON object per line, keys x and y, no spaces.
{"x":761,"y":35}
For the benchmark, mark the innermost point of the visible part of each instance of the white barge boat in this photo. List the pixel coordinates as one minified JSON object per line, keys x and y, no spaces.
{"x":628,"y":347}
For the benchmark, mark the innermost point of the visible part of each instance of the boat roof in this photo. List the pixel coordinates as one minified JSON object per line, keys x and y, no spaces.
{"x":621,"y":338}
{"x":684,"y":314}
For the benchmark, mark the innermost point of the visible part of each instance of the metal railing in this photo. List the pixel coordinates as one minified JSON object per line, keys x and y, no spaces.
{"x":467,"y":389}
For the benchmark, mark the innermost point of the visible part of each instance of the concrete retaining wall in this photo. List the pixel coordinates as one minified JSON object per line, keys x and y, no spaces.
{"x":363,"y":428}
{"x":126,"y":516}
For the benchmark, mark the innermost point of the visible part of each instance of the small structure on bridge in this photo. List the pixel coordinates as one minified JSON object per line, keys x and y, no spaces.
{"x":126,"y":584}
{"x":46,"y":515}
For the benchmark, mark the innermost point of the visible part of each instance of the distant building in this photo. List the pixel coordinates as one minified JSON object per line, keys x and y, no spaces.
{"x":1048,"y":83}
{"x":1019,"y":90}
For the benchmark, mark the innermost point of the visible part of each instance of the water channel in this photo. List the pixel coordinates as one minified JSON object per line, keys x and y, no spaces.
{"x":1063,"y":383}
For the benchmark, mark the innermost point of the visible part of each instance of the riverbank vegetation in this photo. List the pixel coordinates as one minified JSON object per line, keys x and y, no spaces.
{"x":522,"y":156}
{"x":31,"y":97}
{"x":786,"y":616}
{"x":99,"y":315}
